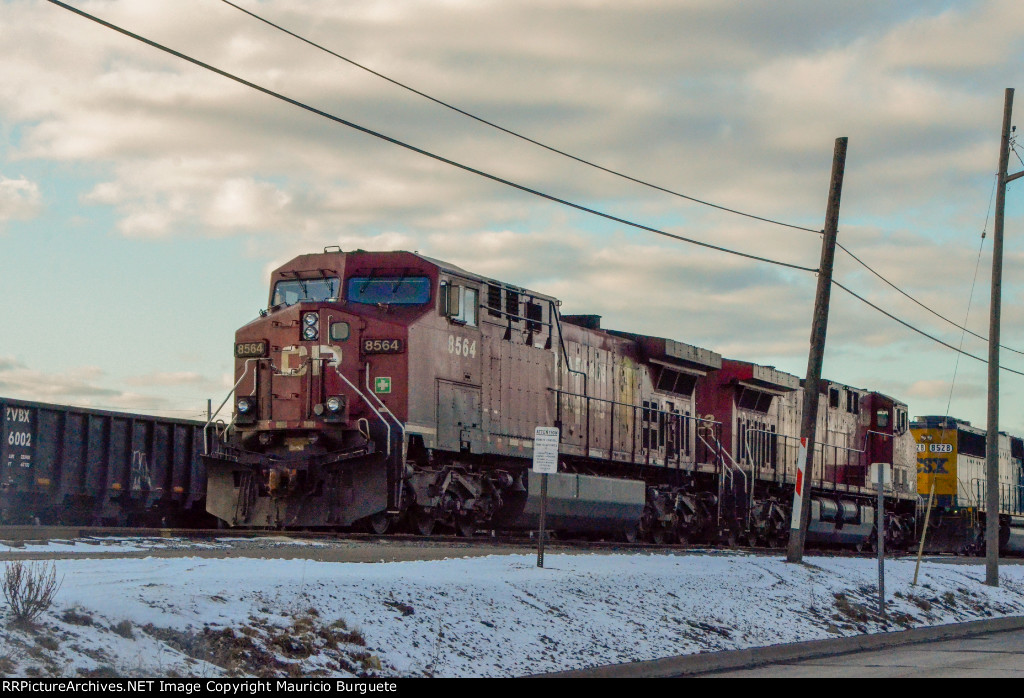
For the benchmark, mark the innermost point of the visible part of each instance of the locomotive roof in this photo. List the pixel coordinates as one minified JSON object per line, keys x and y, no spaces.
{"x":459,"y":271}
{"x":761,"y":377}
{"x":312,"y":259}
{"x":662,"y":350}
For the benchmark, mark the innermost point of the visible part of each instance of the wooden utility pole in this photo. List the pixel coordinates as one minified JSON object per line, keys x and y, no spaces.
{"x":992,"y":433}
{"x":819,"y":325}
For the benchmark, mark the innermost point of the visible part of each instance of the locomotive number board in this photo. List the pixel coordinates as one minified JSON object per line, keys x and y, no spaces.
{"x":249,"y":350}
{"x":382,"y":346}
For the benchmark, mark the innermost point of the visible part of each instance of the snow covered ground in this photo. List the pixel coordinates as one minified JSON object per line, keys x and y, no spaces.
{"x":490,"y":616}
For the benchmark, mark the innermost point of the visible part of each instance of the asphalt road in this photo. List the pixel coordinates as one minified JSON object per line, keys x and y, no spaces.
{"x":996,"y":655}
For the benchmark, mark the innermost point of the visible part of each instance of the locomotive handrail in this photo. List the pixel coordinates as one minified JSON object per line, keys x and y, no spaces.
{"x":1006,"y":503}
{"x":733,"y":469}
{"x":386,"y":410}
{"x":368,"y":403}
{"x":553,"y":311}
{"x":698,"y":421}
{"x":206,"y":427}
{"x":822,"y":443}
{"x":960,"y":485}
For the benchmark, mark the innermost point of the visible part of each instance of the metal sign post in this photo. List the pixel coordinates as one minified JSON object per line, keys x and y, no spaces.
{"x":545,"y":462}
{"x":881,"y":476}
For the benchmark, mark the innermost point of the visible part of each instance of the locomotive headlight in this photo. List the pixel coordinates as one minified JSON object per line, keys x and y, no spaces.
{"x":333,"y":403}
{"x":310,"y":326}
{"x":244,"y":405}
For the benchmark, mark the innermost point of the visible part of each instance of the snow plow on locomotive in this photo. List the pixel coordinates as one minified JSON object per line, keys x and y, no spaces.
{"x":388,"y":388}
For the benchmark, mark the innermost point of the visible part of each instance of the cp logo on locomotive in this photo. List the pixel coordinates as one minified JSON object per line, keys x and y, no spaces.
{"x":294,"y":361}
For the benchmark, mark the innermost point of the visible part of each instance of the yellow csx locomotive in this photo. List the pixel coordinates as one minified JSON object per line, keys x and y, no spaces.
{"x":951,"y":470}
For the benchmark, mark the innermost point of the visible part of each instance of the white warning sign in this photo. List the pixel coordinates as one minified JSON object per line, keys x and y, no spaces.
{"x":545,"y":450}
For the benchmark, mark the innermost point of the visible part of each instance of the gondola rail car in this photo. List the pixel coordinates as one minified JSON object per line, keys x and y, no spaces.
{"x":384,"y":388}
{"x":81,"y":466}
{"x":952,"y":471}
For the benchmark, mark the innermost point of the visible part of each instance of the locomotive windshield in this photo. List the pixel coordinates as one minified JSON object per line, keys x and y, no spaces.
{"x":297,"y":290}
{"x":393,"y":290}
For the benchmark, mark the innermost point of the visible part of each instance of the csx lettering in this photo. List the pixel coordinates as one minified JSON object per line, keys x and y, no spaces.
{"x":18,"y":414}
{"x":932,"y":466}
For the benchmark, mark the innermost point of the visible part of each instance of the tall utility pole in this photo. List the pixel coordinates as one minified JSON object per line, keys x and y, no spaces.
{"x":992,"y":433}
{"x":819,"y":325}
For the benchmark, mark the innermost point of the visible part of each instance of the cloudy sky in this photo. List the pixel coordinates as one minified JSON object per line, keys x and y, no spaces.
{"x":144,"y":200}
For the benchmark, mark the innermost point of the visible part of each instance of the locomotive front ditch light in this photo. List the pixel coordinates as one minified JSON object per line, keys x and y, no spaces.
{"x":334,"y":403}
{"x":244,"y":405}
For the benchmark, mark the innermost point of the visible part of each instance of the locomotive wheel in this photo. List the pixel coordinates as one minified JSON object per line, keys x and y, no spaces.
{"x":682,"y":536}
{"x":423,"y":523}
{"x":465,"y":526}
{"x":379,"y":523}
{"x":658,"y":535}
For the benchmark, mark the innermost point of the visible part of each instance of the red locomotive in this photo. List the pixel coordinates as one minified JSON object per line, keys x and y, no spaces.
{"x":387,"y":388}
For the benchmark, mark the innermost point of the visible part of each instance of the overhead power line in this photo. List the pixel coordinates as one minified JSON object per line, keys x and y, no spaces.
{"x":967,"y":316}
{"x":584,"y":161}
{"x":930,"y":310}
{"x":516,"y":134}
{"x":421,"y":151}
{"x":962,"y":328}
{"x":919,"y":331}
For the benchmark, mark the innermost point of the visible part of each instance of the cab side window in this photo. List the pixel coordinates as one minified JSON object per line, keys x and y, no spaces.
{"x":469,"y":306}
{"x":459,"y":304}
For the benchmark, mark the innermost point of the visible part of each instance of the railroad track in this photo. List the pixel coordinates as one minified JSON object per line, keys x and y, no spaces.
{"x":16,"y":536}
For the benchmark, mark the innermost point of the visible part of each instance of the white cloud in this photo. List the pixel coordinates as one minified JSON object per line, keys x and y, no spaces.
{"x":19,"y":199}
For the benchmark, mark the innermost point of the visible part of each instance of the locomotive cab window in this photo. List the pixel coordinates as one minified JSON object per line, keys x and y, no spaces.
{"x":292,"y":291}
{"x":882,"y":418}
{"x":459,"y":303}
{"x":389,"y":290}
